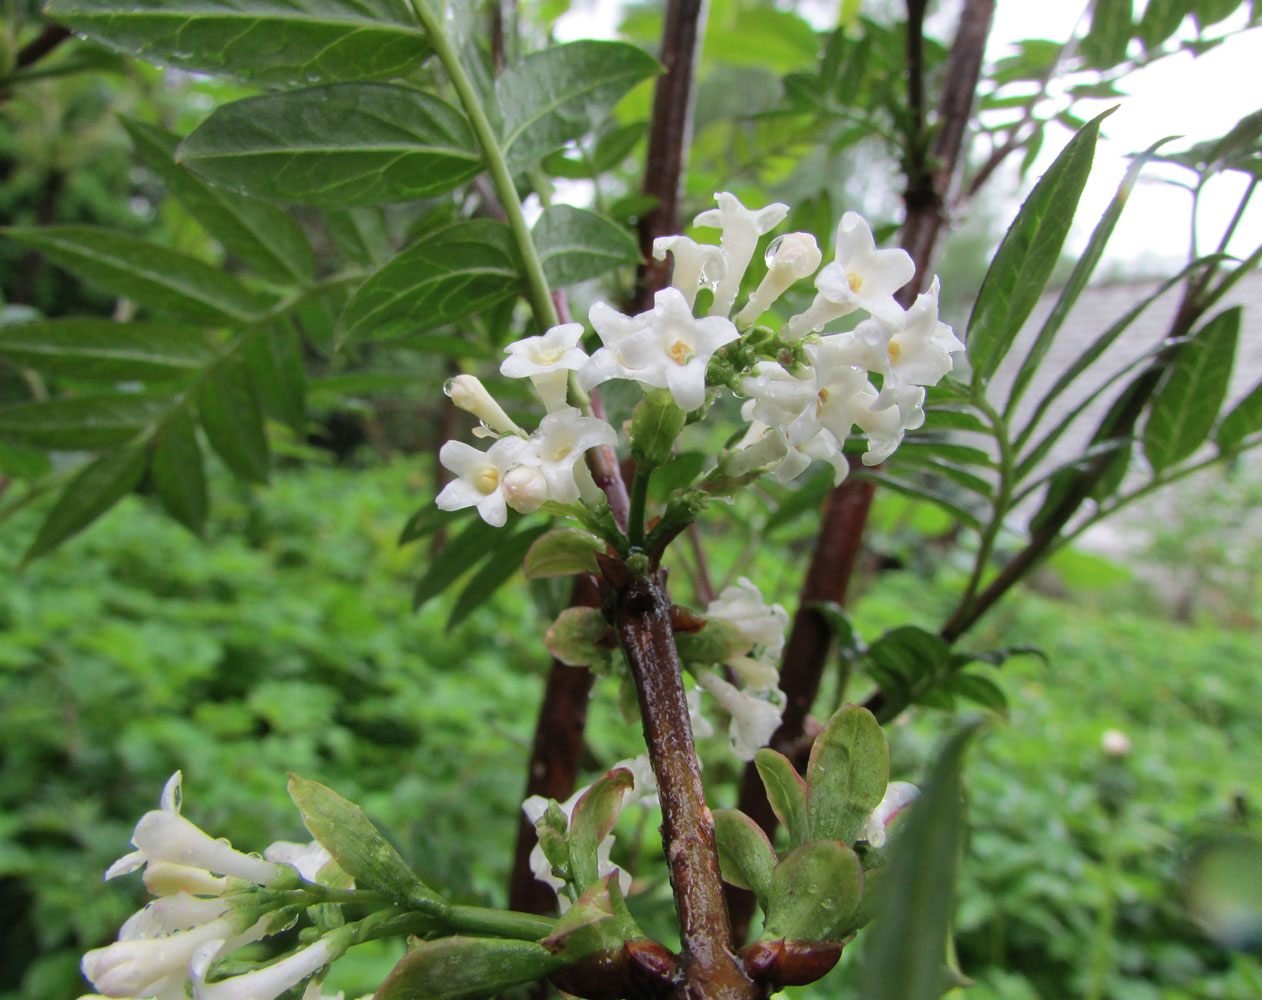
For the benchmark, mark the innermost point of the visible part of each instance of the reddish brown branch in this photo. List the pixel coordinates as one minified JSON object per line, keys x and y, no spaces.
{"x":42,"y":44}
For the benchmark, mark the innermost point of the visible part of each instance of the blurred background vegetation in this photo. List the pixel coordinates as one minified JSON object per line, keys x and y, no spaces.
{"x":285,"y":639}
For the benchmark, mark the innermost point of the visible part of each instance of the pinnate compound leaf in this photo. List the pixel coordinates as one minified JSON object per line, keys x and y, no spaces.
{"x":357,"y":846}
{"x":268,"y":41}
{"x":274,"y":360}
{"x":1029,"y":251}
{"x":560,"y":93}
{"x":905,"y":947}
{"x":813,"y":890}
{"x":338,"y":145}
{"x":103,"y":349}
{"x":1105,"y":44}
{"x":463,"y":968}
{"x":153,"y":276}
{"x":746,"y":857}
{"x":448,"y":275}
{"x":96,"y":488}
{"x":562,"y":552}
{"x":847,"y":774}
{"x":575,"y":245}
{"x":77,"y":423}
{"x":1186,"y":404}
{"x":178,"y":472}
{"x":264,"y":237}
{"x":233,"y":420}
{"x":1161,"y":19}
{"x":501,"y":564}
{"x":1244,"y":419}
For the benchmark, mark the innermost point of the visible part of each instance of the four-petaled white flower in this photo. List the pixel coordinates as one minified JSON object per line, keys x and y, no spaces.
{"x":898,"y":795}
{"x":755,"y":714}
{"x":860,"y":277}
{"x":562,"y":439}
{"x":695,"y":264}
{"x":480,"y":481}
{"x":762,"y":624}
{"x":547,"y":361}
{"x":741,"y":228}
{"x":664,"y":348}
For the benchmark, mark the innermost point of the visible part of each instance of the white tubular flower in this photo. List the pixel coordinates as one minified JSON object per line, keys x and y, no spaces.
{"x":789,"y":259}
{"x":480,"y":481}
{"x":701,"y":726}
{"x":547,"y":361}
{"x":761,"y":624}
{"x":562,"y":439}
{"x":920,"y":352}
{"x":468,"y":393}
{"x":165,"y":879}
{"x":898,"y":795}
{"x":754,"y":718}
{"x":741,"y":228}
{"x":163,"y":835}
{"x":695,"y":264}
{"x":170,"y":914}
{"x":271,"y":980}
{"x":779,"y":397}
{"x":308,"y":858}
{"x":664,"y":348}
{"x":860,"y":277}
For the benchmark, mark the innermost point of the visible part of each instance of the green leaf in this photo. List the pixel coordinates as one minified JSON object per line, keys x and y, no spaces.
{"x":461,"y":270}
{"x":922,"y":492}
{"x":463,"y":968}
{"x":847,"y":774}
{"x":977,"y":689}
{"x":455,"y":558}
{"x":1029,"y":251}
{"x":905,"y":947}
{"x":906,"y":662}
{"x":1084,"y":268}
{"x":356,"y":845}
{"x":501,"y":564}
{"x":746,"y":857}
{"x":594,"y":817}
{"x":178,"y":472}
{"x":573,"y":638}
{"x":561,"y":93}
{"x":1105,"y":44}
{"x":344,"y":144}
{"x":233,"y":420}
{"x":1161,"y":20}
{"x":786,"y":791}
{"x":575,"y":245}
{"x":93,"y":491}
{"x":813,"y":890}
{"x":562,"y":552}
{"x":77,"y":423}
{"x":102,"y":349}
{"x":265,"y":238}
{"x":274,"y":360}
{"x":152,"y":275}
{"x":1244,"y":419}
{"x":267,"y":41}
{"x":1186,"y":404}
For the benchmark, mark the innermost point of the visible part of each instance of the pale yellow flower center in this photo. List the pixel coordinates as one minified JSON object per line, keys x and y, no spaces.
{"x":895,"y":352}
{"x":559,"y":453}
{"x":548,"y":356}
{"x":487,"y":481}
{"x":855,"y":280}
{"x":680,"y":353}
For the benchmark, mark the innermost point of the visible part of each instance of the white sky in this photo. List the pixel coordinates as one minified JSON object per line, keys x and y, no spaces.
{"x":1196,"y":98}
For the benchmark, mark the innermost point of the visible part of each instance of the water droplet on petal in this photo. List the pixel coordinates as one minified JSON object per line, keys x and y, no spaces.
{"x":772,"y":247}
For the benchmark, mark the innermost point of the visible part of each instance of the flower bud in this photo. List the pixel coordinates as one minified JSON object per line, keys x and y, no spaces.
{"x":468,"y":393}
{"x":655,"y":424}
{"x":789,"y":258}
{"x":525,"y":489}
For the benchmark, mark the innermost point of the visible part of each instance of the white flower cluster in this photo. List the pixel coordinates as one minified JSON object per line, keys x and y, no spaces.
{"x":205,"y":909}
{"x":799,"y":409}
{"x":757,"y":703}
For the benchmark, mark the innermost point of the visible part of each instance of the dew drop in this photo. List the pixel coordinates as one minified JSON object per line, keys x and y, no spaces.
{"x":770,"y":256}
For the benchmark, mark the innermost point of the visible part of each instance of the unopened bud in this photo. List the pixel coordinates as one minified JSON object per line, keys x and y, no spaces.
{"x":468,"y":393}
{"x":789,"y":259}
{"x":655,"y":424}
{"x":525,"y":489}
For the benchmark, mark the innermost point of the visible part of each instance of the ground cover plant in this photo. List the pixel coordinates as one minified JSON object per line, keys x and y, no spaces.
{"x":425,"y":147}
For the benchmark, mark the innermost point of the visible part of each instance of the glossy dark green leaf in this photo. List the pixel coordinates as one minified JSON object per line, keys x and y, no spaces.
{"x":746,"y":857}
{"x":907,"y":662}
{"x":1029,"y":251}
{"x":457,"y":557}
{"x":77,"y":423}
{"x":905,"y":947}
{"x":575,"y":245}
{"x":1244,"y":419}
{"x":464,"y":968}
{"x":560,"y":93}
{"x":1105,"y":44}
{"x":265,"y":238}
{"x":847,"y":774}
{"x":1186,"y":404}
{"x":357,"y":846}
{"x":813,"y":890}
{"x":268,"y":41}
{"x":178,"y":473}
{"x":977,"y":689}
{"x":233,"y":420}
{"x":151,"y":275}
{"x":344,"y":144}
{"x":447,"y":276}
{"x":102,"y":349}
{"x":273,"y":358}
{"x":93,"y":491}
{"x":504,"y":562}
